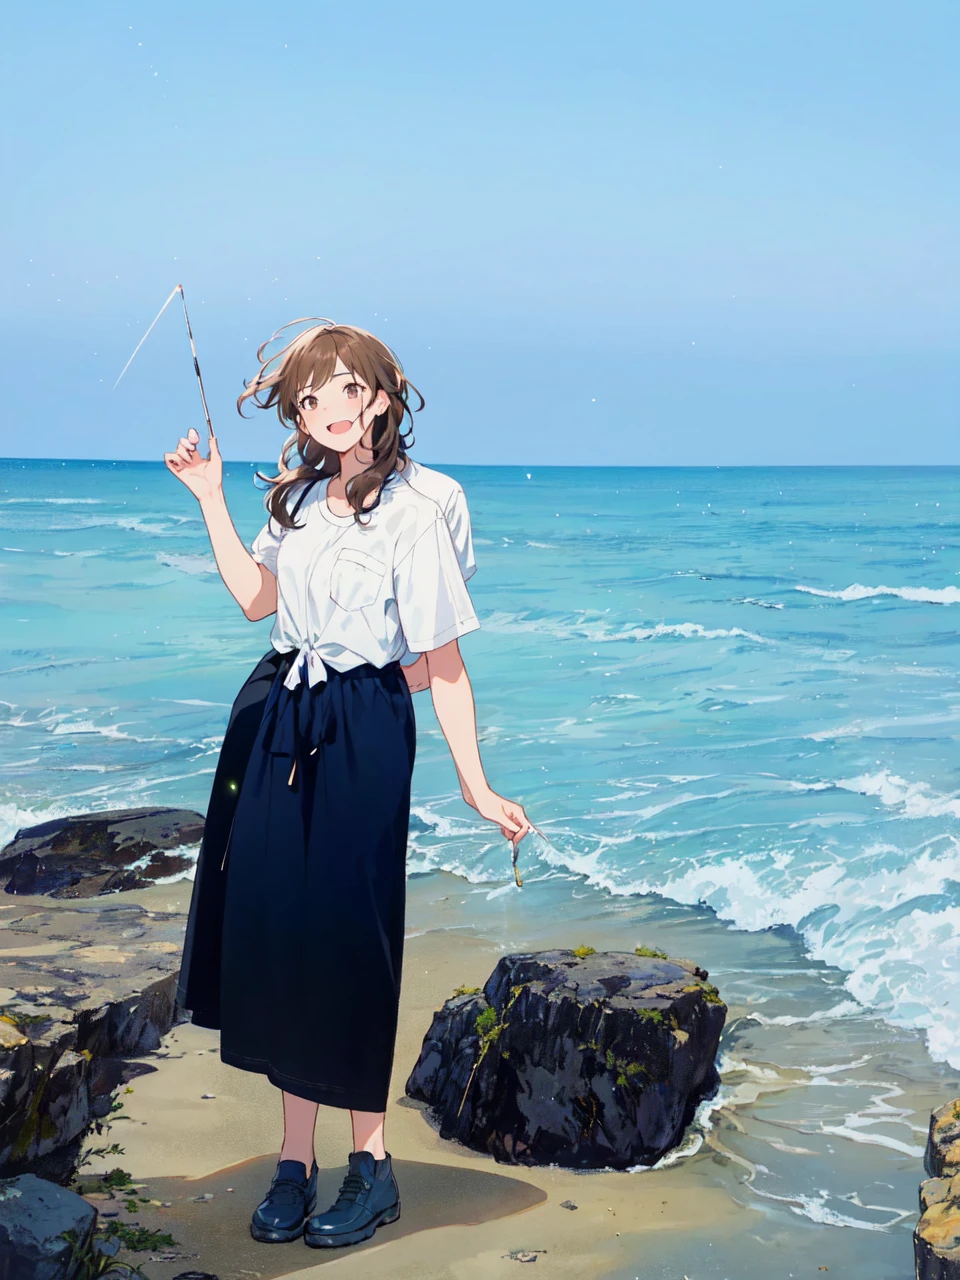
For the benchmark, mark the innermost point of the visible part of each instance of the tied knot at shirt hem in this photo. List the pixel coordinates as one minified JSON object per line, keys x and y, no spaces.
{"x":307,"y":666}
{"x":297,"y":720}
{"x":296,"y":723}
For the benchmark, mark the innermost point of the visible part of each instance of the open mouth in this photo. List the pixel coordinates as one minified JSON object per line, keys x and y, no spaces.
{"x":338,"y":428}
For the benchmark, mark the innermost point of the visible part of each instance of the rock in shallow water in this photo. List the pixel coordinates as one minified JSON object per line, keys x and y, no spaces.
{"x":90,"y":853}
{"x":585,"y":1062}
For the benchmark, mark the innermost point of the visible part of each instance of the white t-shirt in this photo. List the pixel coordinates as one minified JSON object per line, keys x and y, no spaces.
{"x":348,"y":594}
{"x":450,"y":498}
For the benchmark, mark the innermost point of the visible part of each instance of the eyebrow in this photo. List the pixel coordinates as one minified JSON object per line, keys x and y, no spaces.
{"x":309,"y":391}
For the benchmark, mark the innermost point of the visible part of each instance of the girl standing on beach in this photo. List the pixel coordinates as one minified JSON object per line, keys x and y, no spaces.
{"x":303,"y":918}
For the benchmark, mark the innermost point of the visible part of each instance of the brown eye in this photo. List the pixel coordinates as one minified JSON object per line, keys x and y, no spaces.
{"x":308,"y":403}
{"x":353,"y":390}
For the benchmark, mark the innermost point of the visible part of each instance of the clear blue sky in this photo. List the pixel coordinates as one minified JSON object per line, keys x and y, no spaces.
{"x":628,"y":233}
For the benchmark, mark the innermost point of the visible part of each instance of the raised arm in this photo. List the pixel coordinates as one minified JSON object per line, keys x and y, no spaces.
{"x":252,"y":585}
{"x":453,"y":702}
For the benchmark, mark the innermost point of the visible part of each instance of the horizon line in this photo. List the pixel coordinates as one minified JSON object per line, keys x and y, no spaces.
{"x":553,"y":466}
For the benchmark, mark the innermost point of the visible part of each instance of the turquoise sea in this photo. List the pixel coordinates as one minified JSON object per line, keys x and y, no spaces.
{"x":729,"y":695}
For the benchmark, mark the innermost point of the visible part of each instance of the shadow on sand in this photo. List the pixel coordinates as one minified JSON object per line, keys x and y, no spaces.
{"x":214,"y":1235}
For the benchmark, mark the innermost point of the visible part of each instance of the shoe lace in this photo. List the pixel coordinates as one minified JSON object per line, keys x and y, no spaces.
{"x":351,"y":1187}
{"x":288,"y":1190}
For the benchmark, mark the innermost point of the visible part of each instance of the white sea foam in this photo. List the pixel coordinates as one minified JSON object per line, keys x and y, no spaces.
{"x":914,"y":799}
{"x":581,"y":625}
{"x":187,"y":563}
{"x":447,"y":844}
{"x":189,"y":851}
{"x":70,"y":723}
{"x":189,"y":874}
{"x":70,"y":728}
{"x":193,"y":702}
{"x":688,"y":630}
{"x":865,"y":728}
{"x":835,"y":1068}
{"x":51,"y":662}
{"x":14,"y":818}
{"x":902,"y":960}
{"x":856,"y":1134}
{"x":924,"y":595}
{"x":133,"y":524}
{"x":818,"y":1210}
{"x":845,"y":1009}
{"x":693,"y":1139}
{"x":885,"y":914}
{"x":60,"y":502}
{"x":93,"y":768}
{"x":644,"y":789}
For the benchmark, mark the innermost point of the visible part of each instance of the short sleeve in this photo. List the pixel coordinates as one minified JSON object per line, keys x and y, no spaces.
{"x":266,"y":545}
{"x":457,"y":516}
{"x":433,"y":602}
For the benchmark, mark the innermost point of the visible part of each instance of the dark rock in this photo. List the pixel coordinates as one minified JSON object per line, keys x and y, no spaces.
{"x":936,"y":1240}
{"x":584,"y":1063}
{"x":102,"y":988}
{"x":91,"y":853}
{"x":33,"y":1216}
{"x":936,"y":1243}
{"x":942,"y":1156}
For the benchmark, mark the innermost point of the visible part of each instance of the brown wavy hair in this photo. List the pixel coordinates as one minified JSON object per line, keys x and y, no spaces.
{"x":310,"y":359}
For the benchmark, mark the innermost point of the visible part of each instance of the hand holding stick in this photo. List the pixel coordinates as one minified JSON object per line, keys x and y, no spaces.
{"x":202,"y":476}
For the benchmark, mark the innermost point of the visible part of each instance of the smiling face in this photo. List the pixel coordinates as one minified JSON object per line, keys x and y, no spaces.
{"x":339,"y":413}
{"x":346,"y":394}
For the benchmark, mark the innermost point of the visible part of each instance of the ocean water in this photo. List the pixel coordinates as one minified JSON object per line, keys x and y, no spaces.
{"x":728,"y":697}
{"x":735,"y":687}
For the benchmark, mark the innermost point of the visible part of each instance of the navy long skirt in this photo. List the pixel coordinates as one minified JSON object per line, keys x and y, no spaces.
{"x":303,"y":919}
{"x":198,"y":989}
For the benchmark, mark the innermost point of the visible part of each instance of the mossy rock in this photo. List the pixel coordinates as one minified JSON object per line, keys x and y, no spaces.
{"x":579,"y":1058}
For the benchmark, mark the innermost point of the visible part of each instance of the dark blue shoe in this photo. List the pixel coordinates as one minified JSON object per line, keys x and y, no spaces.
{"x":369,"y":1198}
{"x":287,"y":1205}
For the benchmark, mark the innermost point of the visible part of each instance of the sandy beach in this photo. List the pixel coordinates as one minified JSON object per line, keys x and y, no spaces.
{"x":807,"y":1160}
{"x":463,"y":1214}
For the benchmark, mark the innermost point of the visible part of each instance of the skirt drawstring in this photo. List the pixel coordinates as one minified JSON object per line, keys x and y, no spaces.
{"x":297,"y":721}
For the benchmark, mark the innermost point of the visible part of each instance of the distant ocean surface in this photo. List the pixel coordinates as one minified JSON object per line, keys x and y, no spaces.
{"x":733,"y":687}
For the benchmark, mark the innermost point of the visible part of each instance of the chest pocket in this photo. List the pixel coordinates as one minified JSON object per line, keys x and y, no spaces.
{"x":356,"y":579}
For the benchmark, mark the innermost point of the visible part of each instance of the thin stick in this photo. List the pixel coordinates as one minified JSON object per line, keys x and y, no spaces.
{"x":145,"y":336}
{"x":193,"y":348}
{"x":196,"y":362}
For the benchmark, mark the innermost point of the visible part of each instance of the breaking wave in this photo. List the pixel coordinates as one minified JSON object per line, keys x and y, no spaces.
{"x":923,"y":595}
